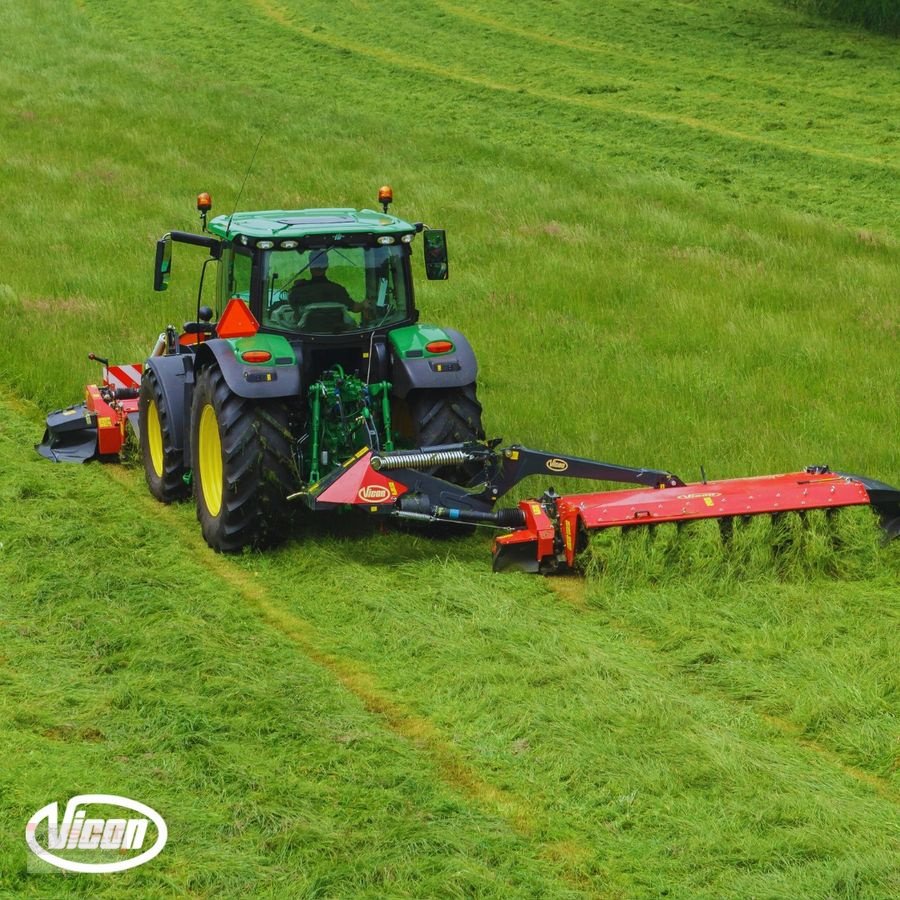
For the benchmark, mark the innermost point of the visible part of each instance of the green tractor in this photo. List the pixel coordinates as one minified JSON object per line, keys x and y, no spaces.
{"x":317,"y":351}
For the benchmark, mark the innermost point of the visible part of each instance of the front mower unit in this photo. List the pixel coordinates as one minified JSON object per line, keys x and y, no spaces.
{"x":97,"y":427}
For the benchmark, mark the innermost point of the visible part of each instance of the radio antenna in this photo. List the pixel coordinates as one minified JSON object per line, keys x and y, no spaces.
{"x":241,"y":191}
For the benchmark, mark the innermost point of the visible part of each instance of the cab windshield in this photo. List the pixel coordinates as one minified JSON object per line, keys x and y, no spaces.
{"x":335,"y":290}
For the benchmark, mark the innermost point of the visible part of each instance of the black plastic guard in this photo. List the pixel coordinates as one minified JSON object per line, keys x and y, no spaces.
{"x":454,"y":370}
{"x":250,"y":382}
{"x":71,"y":436}
{"x":886,"y":502}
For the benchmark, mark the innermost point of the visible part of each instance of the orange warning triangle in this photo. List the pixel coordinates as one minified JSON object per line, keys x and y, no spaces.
{"x":237,"y":320}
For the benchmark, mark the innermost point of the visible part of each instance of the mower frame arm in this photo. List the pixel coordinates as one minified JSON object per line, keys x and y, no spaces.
{"x":518,"y":463}
{"x":403,"y":481}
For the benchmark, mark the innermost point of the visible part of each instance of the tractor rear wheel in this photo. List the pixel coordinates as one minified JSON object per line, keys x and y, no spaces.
{"x":242,"y":465}
{"x":447,"y":416}
{"x":163,"y":461}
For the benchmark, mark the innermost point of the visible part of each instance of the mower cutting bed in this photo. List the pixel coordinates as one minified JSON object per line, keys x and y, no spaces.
{"x":557,"y":528}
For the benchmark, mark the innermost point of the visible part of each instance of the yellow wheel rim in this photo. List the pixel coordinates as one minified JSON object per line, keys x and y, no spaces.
{"x":155,"y":439}
{"x":210,"y":456}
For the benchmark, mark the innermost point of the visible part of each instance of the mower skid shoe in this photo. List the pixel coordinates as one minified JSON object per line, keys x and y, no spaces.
{"x":518,"y":557}
{"x":71,"y":436}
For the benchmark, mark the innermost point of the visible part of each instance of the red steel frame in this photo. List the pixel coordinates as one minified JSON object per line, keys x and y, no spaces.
{"x":702,"y":500}
{"x":112,"y":416}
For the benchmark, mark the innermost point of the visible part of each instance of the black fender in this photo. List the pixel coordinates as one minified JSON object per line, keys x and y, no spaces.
{"x":175,"y":375}
{"x":250,"y":382}
{"x":452,"y":370}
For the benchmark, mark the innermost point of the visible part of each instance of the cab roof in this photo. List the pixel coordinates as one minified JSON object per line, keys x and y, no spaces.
{"x":300,"y":223}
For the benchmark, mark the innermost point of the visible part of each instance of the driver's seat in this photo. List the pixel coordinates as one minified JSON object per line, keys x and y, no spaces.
{"x":325,"y":318}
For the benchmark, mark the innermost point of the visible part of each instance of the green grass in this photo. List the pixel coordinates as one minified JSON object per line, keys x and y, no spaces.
{"x":844,"y":543}
{"x":673,"y":243}
{"x":162,"y":683}
{"x":687,"y":302}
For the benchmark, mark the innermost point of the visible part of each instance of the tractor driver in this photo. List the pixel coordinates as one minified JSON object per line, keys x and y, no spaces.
{"x":318,"y":289}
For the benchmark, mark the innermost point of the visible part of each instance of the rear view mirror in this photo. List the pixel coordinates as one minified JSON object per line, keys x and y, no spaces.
{"x":163,"y":266}
{"x":436,"y":267}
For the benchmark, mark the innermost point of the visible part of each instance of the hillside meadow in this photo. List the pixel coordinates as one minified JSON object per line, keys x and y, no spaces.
{"x":673,"y":237}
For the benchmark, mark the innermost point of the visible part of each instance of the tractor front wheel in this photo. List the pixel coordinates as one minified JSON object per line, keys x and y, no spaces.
{"x":242,"y":465}
{"x":163,"y":461}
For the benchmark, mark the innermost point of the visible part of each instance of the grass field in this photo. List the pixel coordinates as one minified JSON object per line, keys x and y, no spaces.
{"x":674,"y":242}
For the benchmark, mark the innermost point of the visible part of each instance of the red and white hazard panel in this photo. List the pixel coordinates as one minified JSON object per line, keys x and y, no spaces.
{"x":123,"y":376}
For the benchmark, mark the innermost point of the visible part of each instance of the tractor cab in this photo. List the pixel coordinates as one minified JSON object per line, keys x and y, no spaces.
{"x":318,"y":272}
{"x":330,"y":289}
{"x":313,"y":272}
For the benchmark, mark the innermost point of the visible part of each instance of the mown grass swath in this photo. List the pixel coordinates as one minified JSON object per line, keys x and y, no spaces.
{"x":672,"y":244}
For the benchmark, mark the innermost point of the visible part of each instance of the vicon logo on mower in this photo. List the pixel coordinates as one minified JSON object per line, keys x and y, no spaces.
{"x":104,"y":839}
{"x":374,"y":493}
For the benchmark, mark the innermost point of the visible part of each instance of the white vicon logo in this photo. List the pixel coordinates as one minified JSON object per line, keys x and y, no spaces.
{"x":373,"y":493}
{"x":78,"y":832}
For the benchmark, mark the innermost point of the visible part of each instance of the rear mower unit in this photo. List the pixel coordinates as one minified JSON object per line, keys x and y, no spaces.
{"x":313,"y":383}
{"x":547,"y":534}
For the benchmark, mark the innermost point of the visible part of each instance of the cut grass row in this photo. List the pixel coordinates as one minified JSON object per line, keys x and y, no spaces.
{"x":144,"y":670}
{"x":274,"y":705}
